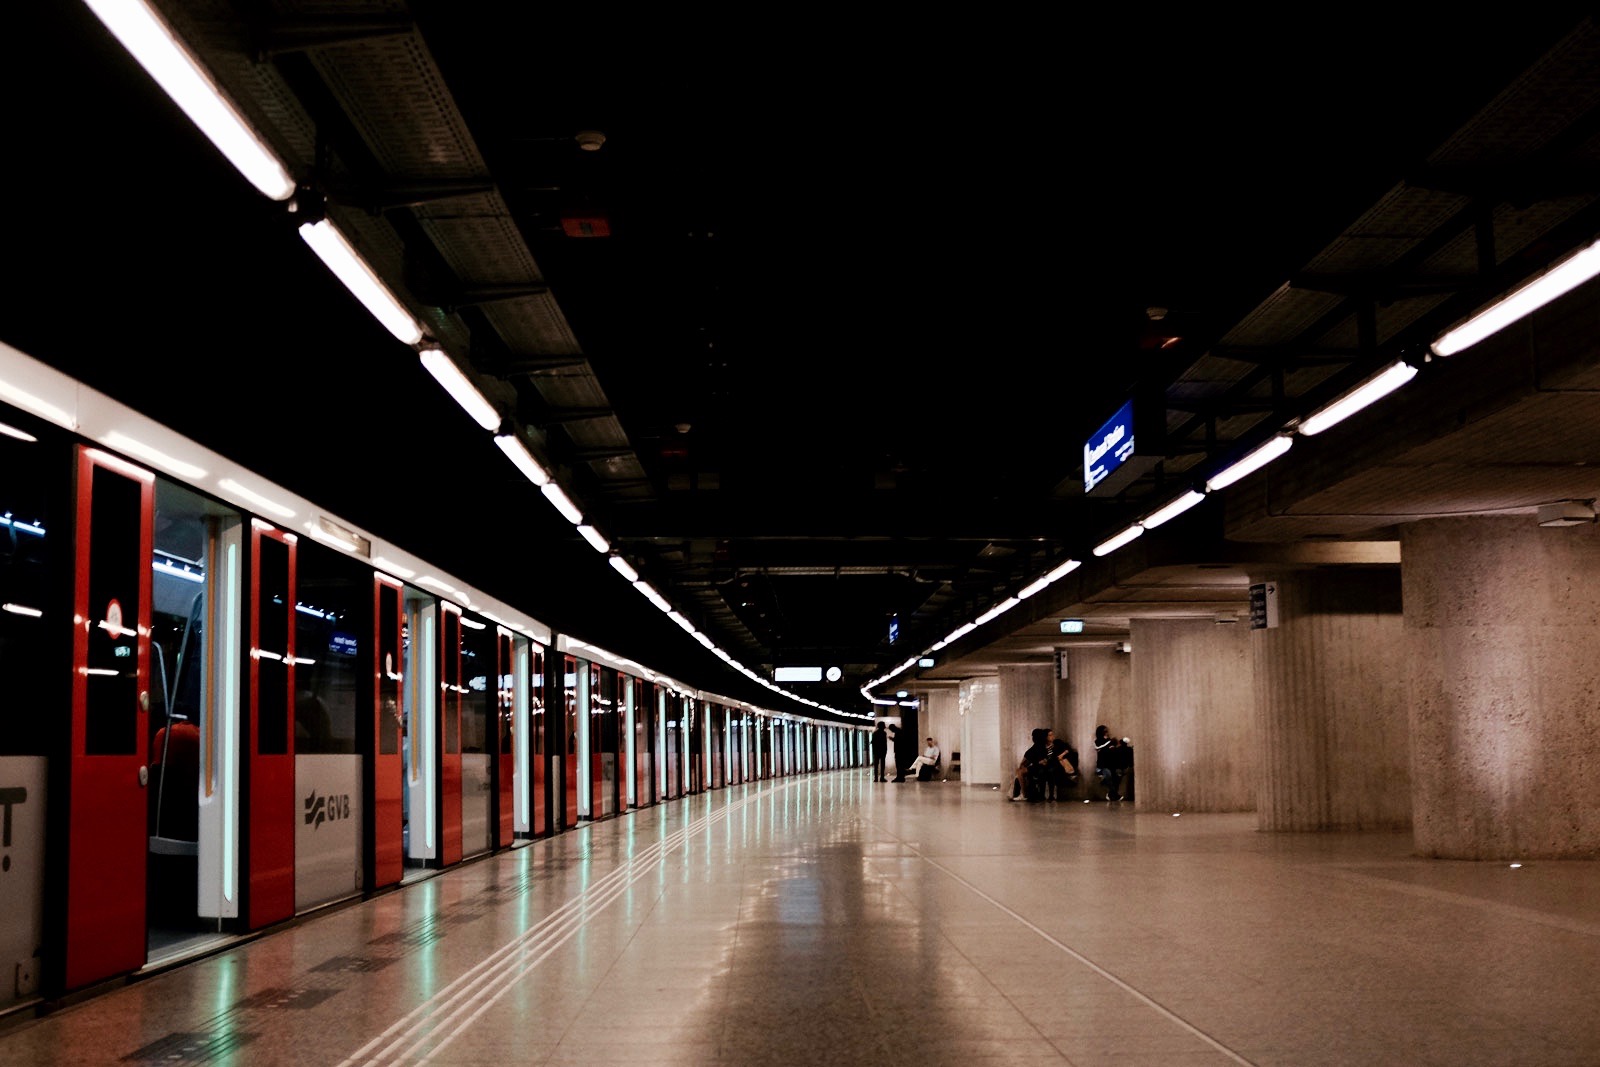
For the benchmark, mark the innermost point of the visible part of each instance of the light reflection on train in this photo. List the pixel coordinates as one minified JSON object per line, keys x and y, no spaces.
{"x":214,"y":722}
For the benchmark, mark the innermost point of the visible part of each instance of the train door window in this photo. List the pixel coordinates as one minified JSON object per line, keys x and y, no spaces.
{"x":272,"y":667}
{"x":538,"y":747}
{"x":569,"y":695}
{"x":111,"y":722}
{"x":478,"y":693}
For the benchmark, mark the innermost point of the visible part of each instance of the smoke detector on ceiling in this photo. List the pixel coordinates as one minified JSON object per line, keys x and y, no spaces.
{"x":1566,"y":513}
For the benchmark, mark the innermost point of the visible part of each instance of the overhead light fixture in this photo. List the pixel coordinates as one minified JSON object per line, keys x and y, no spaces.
{"x":651,"y":595}
{"x":993,"y":613}
{"x":623,"y":567}
{"x":157,"y":49}
{"x":335,"y":250}
{"x":561,"y":502}
{"x":1172,"y":510}
{"x":1252,"y":462}
{"x":1567,"y":513}
{"x":522,"y":459}
{"x":596,"y":541}
{"x":460,"y":388}
{"x":1111,"y":544}
{"x":1369,"y":392}
{"x":1530,"y":296}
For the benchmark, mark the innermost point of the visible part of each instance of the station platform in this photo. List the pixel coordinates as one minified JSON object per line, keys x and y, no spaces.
{"x":832,"y":920}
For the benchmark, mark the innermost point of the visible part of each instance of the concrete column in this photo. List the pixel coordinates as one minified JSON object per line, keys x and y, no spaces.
{"x":1192,"y":716}
{"x":1504,"y":625}
{"x":1097,"y":689}
{"x":979,"y":706}
{"x":1027,"y":702}
{"x":1330,"y":703}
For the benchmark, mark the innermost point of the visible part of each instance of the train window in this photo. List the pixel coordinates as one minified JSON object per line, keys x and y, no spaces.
{"x":111,"y":724}
{"x":391,"y":658}
{"x":477,"y":668}
{"x":31,"y":583}
{"x":272,"y":673}
{"x":331,"y":618}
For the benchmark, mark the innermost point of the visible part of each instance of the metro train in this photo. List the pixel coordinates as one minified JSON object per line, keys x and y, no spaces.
{"x":259,"y":710}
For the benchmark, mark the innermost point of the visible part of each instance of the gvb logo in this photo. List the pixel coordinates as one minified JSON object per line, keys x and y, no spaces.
{"x":321,"y":809}
{"x":9,"y":798}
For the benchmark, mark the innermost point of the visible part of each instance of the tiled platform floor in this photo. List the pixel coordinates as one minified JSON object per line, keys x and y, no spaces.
{"x":834,"y":921}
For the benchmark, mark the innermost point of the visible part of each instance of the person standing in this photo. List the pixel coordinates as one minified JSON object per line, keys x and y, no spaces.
{"x":880,"y":752}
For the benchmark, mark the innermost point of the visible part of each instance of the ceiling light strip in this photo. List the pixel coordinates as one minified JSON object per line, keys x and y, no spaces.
{"x":335,"y":250}
{"x":1557,"y":280}
{"x":157,"y":49}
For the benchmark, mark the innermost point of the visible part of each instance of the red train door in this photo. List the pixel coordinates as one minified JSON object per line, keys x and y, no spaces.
{"x":269,"y":760}
{"x":388,"y":768}
{"x":106,"y":837}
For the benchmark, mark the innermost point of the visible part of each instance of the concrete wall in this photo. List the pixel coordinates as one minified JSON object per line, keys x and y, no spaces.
{"x":1098,"y":689}
{"x":1192,"y":716}
{"x":1503,"y":621}
{"x":1027,"y":703}
{"x":979,"y":704}
{"x":1330,"y":703}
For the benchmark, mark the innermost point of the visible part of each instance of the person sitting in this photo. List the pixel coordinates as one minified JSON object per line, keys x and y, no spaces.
{"x":924,"y":765}
{"x":1033,"y":772}
{"x":1062,"y":768}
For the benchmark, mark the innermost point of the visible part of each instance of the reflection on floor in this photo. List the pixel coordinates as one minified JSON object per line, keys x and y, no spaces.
{"x":834,"y":920}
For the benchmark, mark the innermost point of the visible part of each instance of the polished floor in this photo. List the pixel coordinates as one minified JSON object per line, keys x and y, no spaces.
{"x":832,"y":920}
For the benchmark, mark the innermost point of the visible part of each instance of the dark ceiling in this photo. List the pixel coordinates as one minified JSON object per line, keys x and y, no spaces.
{"x":815,"y":337}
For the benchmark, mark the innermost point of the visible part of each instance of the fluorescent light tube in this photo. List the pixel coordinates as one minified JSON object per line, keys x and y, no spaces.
{"x":993,"y":613}
{"x":561,"y":502}
{"x":21,"y":435}
{"x":1251,"y":463}
{"x":522,"y":459}
{"x":150,"y":41}
{"x":681,"y":621}
{"x":450,"y":376}
{"x":1063,"y":570}
{"x":1528,"y":297}
{"x":340,"y":255}
{"x":591,"y":535}
{"x":1372,"y":390}
{"x":651,"y":595}
{"x":1111,"y":544}
{"x":623,"y":567}
{"x":1032,"y":587}
{"x":1172,"y":510}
